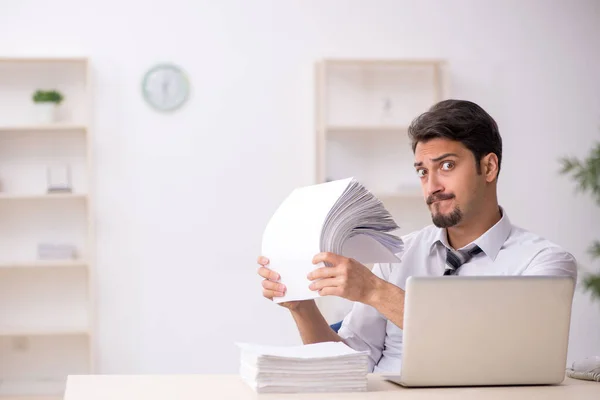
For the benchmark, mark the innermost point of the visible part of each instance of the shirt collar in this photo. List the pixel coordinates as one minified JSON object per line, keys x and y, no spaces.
{"x":490,"y":242}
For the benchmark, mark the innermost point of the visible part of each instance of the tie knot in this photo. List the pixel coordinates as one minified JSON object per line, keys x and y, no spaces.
{"x":456,"y":258}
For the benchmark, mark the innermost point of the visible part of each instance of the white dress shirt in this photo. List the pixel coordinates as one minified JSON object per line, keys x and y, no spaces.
{"x":507,"y":250}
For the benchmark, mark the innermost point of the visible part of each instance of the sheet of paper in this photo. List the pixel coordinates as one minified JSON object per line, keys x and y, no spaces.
{"x":315,"y":351}
{"x":367,"y":250}
{"x":292,"y":238}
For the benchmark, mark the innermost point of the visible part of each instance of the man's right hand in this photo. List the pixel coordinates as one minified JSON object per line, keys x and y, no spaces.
{"x":272,"y":288}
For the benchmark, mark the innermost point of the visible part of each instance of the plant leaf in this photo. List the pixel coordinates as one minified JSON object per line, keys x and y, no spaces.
{"x":592,"y":284}
{"x":594,"y":249}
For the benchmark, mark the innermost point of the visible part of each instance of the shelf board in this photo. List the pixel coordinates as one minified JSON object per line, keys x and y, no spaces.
{"x":43,"y":128}
{"x":43,"y":196}
{"x":367,"y":129}
{"x":45,"y":331}
{"x":24,"y":59}
{"x":37,"y":389}
{"x":401,"y":62}
{"x":400,"y":194}
{"x":44,"y":264}
{"x":31,"y":398}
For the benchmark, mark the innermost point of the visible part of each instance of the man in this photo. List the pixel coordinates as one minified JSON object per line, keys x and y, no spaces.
{"x":458,"y":153}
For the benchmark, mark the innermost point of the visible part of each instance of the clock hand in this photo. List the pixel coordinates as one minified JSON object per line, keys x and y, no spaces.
{"x":165,"y":90}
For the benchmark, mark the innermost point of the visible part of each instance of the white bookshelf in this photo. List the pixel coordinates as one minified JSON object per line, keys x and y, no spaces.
{"x":363,"y":111}
{"x":47,"y":321}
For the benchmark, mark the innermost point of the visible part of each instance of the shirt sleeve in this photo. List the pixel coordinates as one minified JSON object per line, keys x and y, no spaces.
{"x":364,"y":328}
{"x":553,"y":261}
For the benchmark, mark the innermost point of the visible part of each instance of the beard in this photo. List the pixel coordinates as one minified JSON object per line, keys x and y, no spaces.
{"x":444,"y":220}
{"x":447,"y":220}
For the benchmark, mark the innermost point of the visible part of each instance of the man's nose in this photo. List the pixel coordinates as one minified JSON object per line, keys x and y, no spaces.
{"x":434,"y":185}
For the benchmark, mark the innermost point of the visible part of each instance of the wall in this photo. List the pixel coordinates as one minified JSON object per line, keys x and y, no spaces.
{"x":183,"y":198}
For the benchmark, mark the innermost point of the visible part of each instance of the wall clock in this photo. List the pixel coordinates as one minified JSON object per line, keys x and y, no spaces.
{"x":165,"y":87}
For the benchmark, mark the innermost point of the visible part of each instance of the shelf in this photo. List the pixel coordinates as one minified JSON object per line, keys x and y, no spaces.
{"x":47,"y":310}
{"x":43,"y":264}
{"x":383,"y":61}
{"x":43,"y":60}
{"x":400,"y":194}
{"x":43,"y":196}
{"x":367,"y":129}
{"x":32,"y":389}
{"x":41,"y":397}
{"x":56,"y":331}
{"x":43,"y":128}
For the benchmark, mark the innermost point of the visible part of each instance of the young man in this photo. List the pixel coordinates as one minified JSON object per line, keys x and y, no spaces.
{"x":458,"y":152}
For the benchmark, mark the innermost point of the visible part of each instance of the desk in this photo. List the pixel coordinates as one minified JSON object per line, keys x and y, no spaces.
{"x":209,"y":387}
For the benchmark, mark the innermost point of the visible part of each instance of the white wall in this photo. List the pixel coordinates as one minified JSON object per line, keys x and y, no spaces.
{"x":183,"y":198}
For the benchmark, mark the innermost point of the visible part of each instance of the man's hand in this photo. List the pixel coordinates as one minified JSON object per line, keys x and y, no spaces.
{"x":345,"y":278}
{"x":351,"y":280}
{"x":272,"y":288}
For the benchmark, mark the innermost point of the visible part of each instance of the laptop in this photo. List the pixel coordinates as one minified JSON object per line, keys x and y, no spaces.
{"x":485,"y":331}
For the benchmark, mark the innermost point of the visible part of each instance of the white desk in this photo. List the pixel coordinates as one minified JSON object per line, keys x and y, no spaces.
{"x":200,"y":387}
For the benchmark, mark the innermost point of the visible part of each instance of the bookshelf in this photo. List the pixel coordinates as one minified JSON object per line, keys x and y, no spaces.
{"x":363,"y":110}
{"x":47,"y":323}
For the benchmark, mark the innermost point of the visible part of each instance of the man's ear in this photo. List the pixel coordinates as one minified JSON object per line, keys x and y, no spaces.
{"x":489,"y":165}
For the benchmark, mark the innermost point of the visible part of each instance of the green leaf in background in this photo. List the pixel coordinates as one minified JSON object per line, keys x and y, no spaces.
{"x":594,"y":250}
{"x":47,"y":96}
{"x":586,"y":174}
{"x":592,"y":284}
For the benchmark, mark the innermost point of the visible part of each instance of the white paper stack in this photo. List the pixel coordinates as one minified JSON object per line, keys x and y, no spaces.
{"x":340,"y":217}
{"x":321,"y":367}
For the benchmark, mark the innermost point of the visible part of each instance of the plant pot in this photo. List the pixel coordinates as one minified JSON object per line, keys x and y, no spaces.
{"x":45,"y":112}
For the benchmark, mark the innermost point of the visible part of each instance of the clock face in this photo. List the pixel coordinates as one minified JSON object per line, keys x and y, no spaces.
{"x":165,"y":87}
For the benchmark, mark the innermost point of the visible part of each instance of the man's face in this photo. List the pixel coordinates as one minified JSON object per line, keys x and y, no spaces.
{"x":451,"y":184}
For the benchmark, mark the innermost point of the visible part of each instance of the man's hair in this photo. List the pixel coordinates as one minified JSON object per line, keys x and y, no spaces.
{"x":462,"y":121}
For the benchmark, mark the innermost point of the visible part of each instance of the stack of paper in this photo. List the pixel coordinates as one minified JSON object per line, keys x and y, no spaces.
{"x":321,"y":367}
{"x":340,"y":217}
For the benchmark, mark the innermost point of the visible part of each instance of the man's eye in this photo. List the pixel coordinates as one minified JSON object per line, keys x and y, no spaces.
{"x":421,"y":173}
{"x":447,"y":165}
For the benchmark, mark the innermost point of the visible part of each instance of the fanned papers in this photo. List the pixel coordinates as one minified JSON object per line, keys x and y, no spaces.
{"x":340,"y":217}
{"x":320,"y":367}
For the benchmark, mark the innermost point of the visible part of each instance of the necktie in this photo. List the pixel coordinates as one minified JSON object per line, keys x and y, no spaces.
{"x":456,"y":258}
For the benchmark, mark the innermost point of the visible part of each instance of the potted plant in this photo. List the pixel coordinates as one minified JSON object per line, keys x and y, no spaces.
{"x":46,"y":102}
{"x":587,"y":175}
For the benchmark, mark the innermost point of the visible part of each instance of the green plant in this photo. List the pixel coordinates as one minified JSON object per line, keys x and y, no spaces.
{"x":47,"y":96}
{"x":586,"y":173}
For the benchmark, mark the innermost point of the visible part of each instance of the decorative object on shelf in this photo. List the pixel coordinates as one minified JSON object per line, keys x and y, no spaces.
{"x":54,"y":251}
{"x":166,"y":87}
{"x":46,"y":102}
{"x":386,"y":110}
{"x":59,"y":179}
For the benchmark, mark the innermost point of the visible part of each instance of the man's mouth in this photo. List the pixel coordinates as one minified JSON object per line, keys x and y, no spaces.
{"x":433,"y":201}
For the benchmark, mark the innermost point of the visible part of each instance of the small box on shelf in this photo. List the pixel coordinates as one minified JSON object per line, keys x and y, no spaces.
{"x":59,"y":179}
{"x":52,"y":251}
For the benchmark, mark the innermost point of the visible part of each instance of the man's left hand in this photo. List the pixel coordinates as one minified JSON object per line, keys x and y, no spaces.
{"x":345,"y":277}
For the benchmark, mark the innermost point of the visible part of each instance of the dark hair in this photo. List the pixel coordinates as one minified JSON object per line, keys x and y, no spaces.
{"x":462,"y":121}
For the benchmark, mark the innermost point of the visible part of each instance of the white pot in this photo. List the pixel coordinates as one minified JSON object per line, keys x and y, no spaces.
{"x":45,"y":113}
